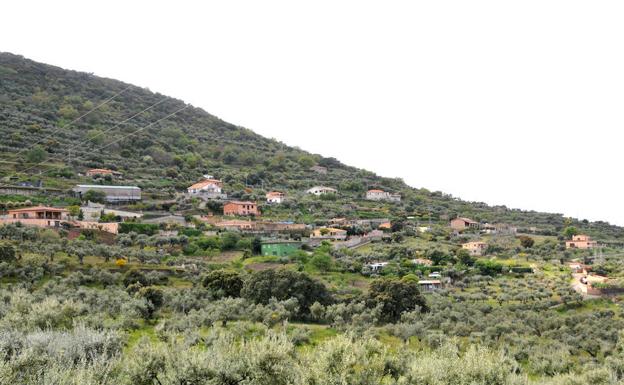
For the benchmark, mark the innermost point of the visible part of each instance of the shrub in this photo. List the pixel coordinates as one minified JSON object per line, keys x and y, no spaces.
{"x":227,"y":282}
{"x":139,"y":228}
{"x":7,"y":252}
{"x":282,"y":284}
{"x":395,"y":297}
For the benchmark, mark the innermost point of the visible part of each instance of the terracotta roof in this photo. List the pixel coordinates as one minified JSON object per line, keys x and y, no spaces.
{"x":274,"y":193}
{"x":101,"y":170}
{"x":40,"y":208}
{"x":206,"y":182}
{"x":375,"y":191}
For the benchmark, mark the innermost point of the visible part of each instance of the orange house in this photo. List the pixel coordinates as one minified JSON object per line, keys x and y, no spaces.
{"x":460,"y":224}
{"x":40,"y":216}
{"x":581,"y":242}
{"x":240,"y":208}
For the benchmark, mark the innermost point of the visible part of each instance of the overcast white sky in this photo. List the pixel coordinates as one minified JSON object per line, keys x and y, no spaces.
{"x":518,"y":103}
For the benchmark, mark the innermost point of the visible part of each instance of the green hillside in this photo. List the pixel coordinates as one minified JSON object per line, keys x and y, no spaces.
{"x":196,"y":301}
{"x":39,"y":102}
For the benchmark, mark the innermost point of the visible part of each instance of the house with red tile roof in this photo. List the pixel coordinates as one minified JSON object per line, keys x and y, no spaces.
{"x":581,"y":241}
{"x":208,"y":188}
{"x":40,"y":216}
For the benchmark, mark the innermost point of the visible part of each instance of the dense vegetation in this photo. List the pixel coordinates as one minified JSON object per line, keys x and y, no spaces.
{"x":79,"y":312}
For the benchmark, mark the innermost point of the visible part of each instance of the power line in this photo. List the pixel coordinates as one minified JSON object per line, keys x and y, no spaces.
{"x":143,"y":128}
{"x":75,"y":120}
{"x":99,"y":134}
{"x":134,"y":132}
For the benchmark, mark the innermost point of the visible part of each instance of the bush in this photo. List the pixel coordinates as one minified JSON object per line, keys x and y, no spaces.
{"x":139,"y":228}
{"x":133,"y":277}
{"x":282,"y":284}
{"x":488,"y":267}
{"x":7,"y":252}
{"x":395,"y":297}
{"x":227,"y":282}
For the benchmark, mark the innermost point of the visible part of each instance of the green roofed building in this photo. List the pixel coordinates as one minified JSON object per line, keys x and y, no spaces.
{"x":280,"y":248}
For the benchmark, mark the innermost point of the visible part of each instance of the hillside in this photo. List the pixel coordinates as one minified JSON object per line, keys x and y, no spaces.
{"x":39,"y":102}
{"x":176,"y":289}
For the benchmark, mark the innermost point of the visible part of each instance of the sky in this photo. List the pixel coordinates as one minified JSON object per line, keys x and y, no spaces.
{"x":516,"y":103}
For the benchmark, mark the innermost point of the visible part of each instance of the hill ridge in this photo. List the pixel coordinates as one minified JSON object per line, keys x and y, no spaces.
{"x":38,"y":98}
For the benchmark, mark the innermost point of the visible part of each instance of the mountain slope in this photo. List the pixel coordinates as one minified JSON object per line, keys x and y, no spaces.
{"x":39,"y":102}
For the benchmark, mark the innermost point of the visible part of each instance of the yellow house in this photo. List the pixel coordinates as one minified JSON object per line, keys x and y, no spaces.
{"x":475,"y":248}
{"x":329,"y":233}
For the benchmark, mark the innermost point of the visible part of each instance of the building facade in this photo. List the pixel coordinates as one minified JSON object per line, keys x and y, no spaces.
{"x":581,"y":242}
{"x":237,"y":225}
{"x":207,"y":188}
{"x":275,"y":197}
{"x":40,"y":216}
{"x":380,"y":195}
{"x":329,"y":233}
{"x":321,"y":190}
{"x":241,"y":208}
{"x":430,"y":285}
{"x":475,"y":248}
{"x":461,"y":223}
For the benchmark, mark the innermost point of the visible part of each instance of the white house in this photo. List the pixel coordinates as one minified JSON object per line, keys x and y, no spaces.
{"x":376,"y":267}
{"x":207,"y":188}
{"x":320,"y":190}
{"x":376,"y":195}
{"x":275,"y":197}
{"x":380,"y":195}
